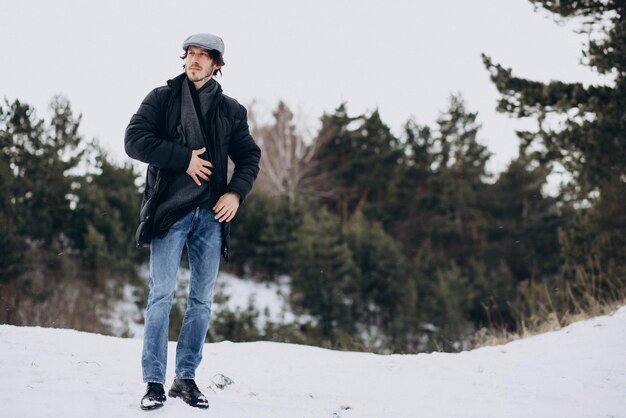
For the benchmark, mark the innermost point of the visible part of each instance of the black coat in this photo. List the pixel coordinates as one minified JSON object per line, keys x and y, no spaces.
{"x":151,"y":137}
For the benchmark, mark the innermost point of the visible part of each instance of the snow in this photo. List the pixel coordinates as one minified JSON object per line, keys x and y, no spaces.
{"x":147,"y":403}
{"x":270,"y":299}
{"x":126,"y":318}
{"x":578,"y":371}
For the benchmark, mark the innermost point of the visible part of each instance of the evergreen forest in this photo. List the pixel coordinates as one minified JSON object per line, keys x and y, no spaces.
{"x":392,"y":242}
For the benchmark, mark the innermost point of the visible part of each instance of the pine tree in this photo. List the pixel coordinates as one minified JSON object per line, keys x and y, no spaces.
{"x":264,"y":234}
{"x":38,"y":162}
{"x":330,"y":178}
{"x":48,"y":176}
{"x":524,"y":221}
{"x":412,"y":201}
{"x":11,"y":245}
{"x":373,"y":166}
{"x":105,"y":216}
{"x":590,"y":140}
{"x":355,"y":164}
{"x":324,"y":275}
{"x":247,"y":228}
{"x":385,"y":295}
{"x":456,"y":225}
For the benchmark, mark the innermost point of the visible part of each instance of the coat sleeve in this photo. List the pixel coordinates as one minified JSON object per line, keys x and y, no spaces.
{"x":142,"y":140}
{"x":245,"y":154}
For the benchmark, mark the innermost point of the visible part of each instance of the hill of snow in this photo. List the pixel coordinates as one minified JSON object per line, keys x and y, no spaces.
{"x":579,"y":371}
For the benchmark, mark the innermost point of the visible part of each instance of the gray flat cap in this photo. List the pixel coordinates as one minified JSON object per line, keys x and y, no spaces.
{"x":205,"y":40}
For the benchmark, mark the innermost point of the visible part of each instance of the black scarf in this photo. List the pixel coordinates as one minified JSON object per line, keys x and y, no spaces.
{"x":194,"y":112}
{"x":182,"y":193}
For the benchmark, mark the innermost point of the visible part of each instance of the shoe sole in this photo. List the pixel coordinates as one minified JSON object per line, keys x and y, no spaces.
{"x":173,"y":394}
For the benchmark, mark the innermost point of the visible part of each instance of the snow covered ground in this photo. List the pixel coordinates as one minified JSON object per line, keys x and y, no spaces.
{"x":579,"y":371}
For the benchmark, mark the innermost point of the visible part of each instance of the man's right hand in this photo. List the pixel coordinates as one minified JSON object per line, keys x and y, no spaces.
{"x":199,"y":167}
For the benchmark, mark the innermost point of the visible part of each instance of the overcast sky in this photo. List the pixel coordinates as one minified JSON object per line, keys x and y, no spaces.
{"x":403,"y":57}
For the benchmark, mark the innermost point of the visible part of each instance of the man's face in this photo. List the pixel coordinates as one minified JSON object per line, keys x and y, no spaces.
{"x":198,"y":65}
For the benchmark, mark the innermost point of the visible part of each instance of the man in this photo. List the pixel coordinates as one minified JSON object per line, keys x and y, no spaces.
{"x":186,"y":131}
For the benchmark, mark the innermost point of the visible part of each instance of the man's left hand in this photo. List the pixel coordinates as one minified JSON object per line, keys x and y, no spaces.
{"x":226,"y":207}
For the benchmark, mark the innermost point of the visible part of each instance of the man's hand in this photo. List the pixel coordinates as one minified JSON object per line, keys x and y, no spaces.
{"x":226,"y":207}
{"x":199,"y":167}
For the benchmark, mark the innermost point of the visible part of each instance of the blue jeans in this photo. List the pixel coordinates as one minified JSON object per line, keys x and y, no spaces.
{"x":201,"y":232}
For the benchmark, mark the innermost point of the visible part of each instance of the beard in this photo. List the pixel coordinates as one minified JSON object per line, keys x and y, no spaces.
{"x":198,"y":75}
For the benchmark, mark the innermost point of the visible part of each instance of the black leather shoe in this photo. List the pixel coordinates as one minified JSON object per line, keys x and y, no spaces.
{"x":154,"y":397}
{"x":189,"y":392}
